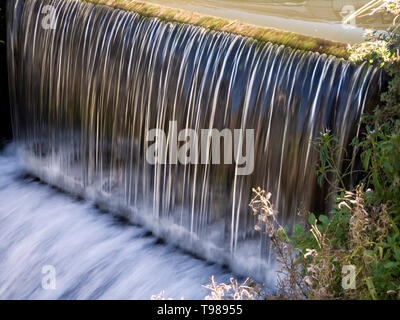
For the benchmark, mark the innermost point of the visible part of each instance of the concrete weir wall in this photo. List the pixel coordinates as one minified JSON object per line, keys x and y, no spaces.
{"x":261,"y":34}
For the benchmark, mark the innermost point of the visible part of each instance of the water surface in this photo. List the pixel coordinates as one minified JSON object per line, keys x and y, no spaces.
{"x":319,"y":18}
{"x":95,"y":255}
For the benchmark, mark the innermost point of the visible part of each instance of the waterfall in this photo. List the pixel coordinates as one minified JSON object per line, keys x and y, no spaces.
{"x":85,"y":93}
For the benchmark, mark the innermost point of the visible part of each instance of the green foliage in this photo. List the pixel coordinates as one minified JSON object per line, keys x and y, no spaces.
{"x":357,"y":233}
{"x":329,"y":153}
{"x":381,"y":161}
{"x":380,"y":48}
{"x":363,"y":227}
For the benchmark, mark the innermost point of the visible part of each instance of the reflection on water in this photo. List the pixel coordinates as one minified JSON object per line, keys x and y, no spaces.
{"x":321,"y":18}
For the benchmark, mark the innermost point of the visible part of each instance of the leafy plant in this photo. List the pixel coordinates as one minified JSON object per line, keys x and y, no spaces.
{"x":380,"y":48}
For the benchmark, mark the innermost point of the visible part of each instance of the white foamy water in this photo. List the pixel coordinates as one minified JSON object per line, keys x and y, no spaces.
{"x":94,"y":255}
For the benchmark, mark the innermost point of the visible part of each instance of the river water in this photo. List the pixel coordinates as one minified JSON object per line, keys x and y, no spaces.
{"x":318,"y":18}
{"x":94,"y":255}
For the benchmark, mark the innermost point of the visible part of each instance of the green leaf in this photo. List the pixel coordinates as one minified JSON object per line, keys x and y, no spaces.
{"x":319,"y":180}
{"x":391,"y":264}
{"x":380,"y":249}
{"x":371,"y":288}
{"x":365,"y":159}
{"x":324,"y":219}
{"x":387,"y":166}
{"x":396,"y":253}
{"x":311,"y":219}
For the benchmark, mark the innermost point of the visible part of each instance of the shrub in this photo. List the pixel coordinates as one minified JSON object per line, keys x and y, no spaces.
{"x":363,"y":227}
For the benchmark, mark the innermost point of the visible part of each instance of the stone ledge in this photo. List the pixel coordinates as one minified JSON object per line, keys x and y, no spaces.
{"x":261,"y":34}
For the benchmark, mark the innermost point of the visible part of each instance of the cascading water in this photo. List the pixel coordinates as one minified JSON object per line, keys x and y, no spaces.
{"x":85,"y":93}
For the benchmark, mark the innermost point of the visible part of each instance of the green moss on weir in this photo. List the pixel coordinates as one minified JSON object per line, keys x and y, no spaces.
{"x":261,"y":34}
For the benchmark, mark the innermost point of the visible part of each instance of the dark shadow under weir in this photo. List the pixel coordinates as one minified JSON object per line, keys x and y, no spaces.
{"x":85,"y":93}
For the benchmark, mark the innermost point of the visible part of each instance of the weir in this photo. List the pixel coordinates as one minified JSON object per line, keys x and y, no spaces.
{"x":85,"y":93}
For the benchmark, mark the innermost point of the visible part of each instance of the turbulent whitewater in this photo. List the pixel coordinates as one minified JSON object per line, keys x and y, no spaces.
{"x":85,"y":93}
{"x":94,"y":255}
